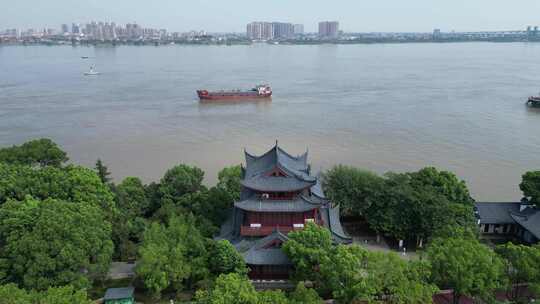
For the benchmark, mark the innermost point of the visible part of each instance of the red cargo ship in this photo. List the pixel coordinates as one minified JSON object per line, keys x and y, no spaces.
{"x":260,"y":91}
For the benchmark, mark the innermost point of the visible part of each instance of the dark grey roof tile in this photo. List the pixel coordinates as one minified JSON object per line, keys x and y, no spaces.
{"x":529,"y":220}
{"x":275,"y":183}
{"x":496,"y":213}
{"x":300,"y":204}
{"x":119,"y":293}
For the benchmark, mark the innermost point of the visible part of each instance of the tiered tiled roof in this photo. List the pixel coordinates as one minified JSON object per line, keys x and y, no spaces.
{"x":298,"y":204}
{"x":295,"y":167}
{"x":260,"y":254}
{"x":294,"y":177}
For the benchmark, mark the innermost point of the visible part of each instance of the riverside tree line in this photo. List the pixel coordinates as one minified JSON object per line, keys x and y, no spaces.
{"x":61,"y":225}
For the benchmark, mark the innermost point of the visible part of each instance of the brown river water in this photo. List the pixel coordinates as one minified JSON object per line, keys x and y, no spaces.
{"x":382,"y":107}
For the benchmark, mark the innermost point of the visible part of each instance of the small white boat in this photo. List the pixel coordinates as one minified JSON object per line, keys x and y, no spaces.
{"x":91,"y":72}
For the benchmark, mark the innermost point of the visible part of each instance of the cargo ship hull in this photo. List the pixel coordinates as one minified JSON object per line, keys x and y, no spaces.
{"x":534,"y":101}
{"x":256,"y":93}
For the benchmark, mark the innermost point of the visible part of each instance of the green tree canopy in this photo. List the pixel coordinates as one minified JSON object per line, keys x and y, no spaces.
{"x":344,"y":273}
{"x":530,"y":185}
{"x":466,"y":266}
{"x":53,"y":243}
{"x":229,"y":288}
{"x":172,"y":256}
{"x":442,"y":182}
{"x":43,"y":152}
{"x":354,"y":189}
{"x":132,"y":198}
{"x":303,"y":295}
{"x":355,"y":274}
{"x":181,"y":180}
{"x":208,"y":206}
{"x":103,"y":172}
{"x":236,"y":288}
{"x":397,"y":280}
{"x":229,"y":179}
{"x":307,"y":249}
{"x":72,"y":183}
{"x":272,"y":297}
{"x":417,"y":205}
{"x":522,"y":265}
{"x":224,"y":258}
{"x":132,"y":204}
{"x":408,"y":206}
{"x":11,"y":294}
{"x":351,"y":273}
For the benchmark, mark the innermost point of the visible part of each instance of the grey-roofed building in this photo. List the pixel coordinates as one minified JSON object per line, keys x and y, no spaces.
{"x":529,"y":221}
{"x":507,"y":220}
{"x":279,"y":195}
{"x":122,"y":295}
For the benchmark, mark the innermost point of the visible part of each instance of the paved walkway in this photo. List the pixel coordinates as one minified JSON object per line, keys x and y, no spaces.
{"x":121,"y":270}
{"x":370,"y":243}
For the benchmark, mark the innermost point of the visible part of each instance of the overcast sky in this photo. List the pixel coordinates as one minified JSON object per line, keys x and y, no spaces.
{"x":233,"y":15}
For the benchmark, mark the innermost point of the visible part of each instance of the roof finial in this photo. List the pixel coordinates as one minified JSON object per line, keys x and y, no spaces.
{"x":276,"y":142}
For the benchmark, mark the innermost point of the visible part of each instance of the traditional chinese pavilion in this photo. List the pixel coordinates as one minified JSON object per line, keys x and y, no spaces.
{"x":279,"y":195}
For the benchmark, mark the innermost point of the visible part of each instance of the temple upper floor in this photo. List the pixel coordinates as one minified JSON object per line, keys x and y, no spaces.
{"x":277,"y":171}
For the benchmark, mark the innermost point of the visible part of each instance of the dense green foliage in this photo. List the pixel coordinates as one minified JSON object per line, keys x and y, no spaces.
{"x":224,"y":258}
{"x":103,"y":172}
{"x":72,"y":183}
{"x":49,"y":243}
{"x":228,"y":288}
{"x":355,"y":190}
{"x":307,"y":249}
{"x":179,"y":181}
{"x":43,"y":152}
{"x":132,"y":204}
{"x":466,"y":266}
{"x":229,"y":179}
{"x":58,"y":224}
{"x":530,"y":185}
{"x":409,"y":206}
{"x":181,"y":192}
{"x":235,"y":288}
{"x":303,"y":295}
{"x":521,"y":265}
{"x":172,"y":255}
{"x":11,"y":294}
{"x":351,"y":273}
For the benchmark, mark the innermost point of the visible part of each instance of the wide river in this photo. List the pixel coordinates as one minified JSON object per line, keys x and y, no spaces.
{"x":383,"y":107}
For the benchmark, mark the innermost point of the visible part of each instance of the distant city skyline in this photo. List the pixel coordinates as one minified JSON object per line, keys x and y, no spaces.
{"x":233,"y":15}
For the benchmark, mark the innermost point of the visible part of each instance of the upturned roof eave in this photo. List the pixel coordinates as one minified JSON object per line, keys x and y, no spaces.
{"x":256,"y":205}
{"x":276,"y":189}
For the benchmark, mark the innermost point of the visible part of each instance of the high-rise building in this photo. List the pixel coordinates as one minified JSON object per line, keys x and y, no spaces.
{"x":282,"y":30}
{"x":260,"y":31}
{"x":328,"y":29}
{"x":298,"y":29}
{"x":269,"y":31}
{"x":436,"y":34}
{"x":65,"y":29}
{"x":11,"y":33}
{"x":133,"y":31}
{"x":75,"y":28}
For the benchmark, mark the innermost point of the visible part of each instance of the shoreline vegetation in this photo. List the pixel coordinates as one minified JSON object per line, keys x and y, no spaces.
{"x":61,"y":226}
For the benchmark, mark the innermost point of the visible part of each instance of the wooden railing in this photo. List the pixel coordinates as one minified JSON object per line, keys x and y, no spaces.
{"x":265,"y":230}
